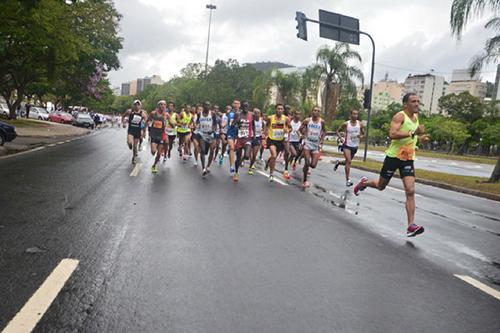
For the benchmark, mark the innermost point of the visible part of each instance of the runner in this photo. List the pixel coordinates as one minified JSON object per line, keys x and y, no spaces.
{"x":204,"y":136}
{"x":243,"y":121}
{"x":171,"y":130}
{"x":257,"y":138}
{"x":404,"y":132}
{"x":354,"y":131}
{"x":276,"y":127}
{"x":224,"y":128}
{"x":184,"y":124}
{"x":295,"y":139}
{"x":286,"y":153}
{"x":157,"y":118}
{"x":196,"y":116}
{"x":314,"y":131}
{"x":217,"y":133}
{"x":232,"y":133}
{"x":136,"y":117}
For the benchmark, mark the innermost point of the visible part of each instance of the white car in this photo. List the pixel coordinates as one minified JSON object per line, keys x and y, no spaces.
{"x":4,"y":110}
{"x":38,"y":113}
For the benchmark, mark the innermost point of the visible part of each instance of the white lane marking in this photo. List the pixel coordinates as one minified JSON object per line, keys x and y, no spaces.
{"x":27,"y":318}
{"x":276,"y":179}
{"x":136,"y":170}
{"x":402,"y":191}
{"x":22,"y":153}
{"x":51,"y":145}
{"x":60,"y":142}
{"x":479,"y":285}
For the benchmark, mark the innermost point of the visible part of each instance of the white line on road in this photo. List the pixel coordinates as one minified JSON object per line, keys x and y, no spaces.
{"x":51,"y":145}
{"x":136,"y":170}
{"x":22,"y":153}
{"x":276,"y":179}
{"x":27,"y":318}
{"x":60,"y":142}
{"x":479,"y":285}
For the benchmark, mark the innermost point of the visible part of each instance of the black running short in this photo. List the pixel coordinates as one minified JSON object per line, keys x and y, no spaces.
{"x":158,"y":141}
{"x":353,"y":150}
{"x":279,"y":144}
{"x":296,"y":146}
{"x":406,"y":168}
{"x":135,"y":132}
{"x":256,"y":142}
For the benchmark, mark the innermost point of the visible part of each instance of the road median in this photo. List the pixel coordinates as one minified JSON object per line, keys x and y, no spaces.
{"x":35,"y":133}
{"x":476,"y":186}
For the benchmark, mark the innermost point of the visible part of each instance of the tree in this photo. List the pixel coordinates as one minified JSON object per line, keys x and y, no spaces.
{"x":462,"y":11}
{"x":463,"y":106}
{"x":338,"y":74}
{"x":287,"y":86}
{"x":55,"y":47}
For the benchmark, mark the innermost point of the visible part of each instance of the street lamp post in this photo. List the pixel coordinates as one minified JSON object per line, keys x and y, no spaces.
{"x":210,"y":7}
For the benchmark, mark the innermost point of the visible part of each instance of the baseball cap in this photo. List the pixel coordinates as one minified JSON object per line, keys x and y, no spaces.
{"x":137,"y":101}
{"x":161,"y":101}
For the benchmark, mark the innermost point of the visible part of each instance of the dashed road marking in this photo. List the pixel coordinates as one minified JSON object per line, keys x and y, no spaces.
{"x":276,"y":179}
{"x":479,"y":285}
{"x":27,"y":318}
{"x":51,"y":145}
{"x":136,"y":170}
{"x":60,"y":142}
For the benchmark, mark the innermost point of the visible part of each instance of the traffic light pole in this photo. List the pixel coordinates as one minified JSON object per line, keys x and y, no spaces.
{"x":371,"y":74}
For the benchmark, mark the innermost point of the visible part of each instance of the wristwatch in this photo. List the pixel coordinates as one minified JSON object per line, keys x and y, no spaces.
{"x":412,"y":133}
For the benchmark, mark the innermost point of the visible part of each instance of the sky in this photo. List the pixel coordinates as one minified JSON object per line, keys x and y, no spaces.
{"x":411,"y":37}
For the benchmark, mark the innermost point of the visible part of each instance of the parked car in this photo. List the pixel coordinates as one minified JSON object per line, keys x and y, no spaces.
{"x":61,"y":117}
{"x":38,"y":113}
{"x":7,"y":133}
{"x":83,"y":120}
{"x":4,"y":110}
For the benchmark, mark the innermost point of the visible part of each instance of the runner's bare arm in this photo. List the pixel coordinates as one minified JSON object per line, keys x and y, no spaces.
{"x":303,"y":126}
{"x":394,"y":132}
{"x":341,"y":128}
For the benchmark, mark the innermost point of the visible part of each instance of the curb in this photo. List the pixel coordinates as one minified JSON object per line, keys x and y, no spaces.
{"x":444,"y":186}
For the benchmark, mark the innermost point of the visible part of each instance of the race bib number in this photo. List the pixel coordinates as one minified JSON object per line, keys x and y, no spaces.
{"x":406,"y":152}
{"x":278,"y":133}
{"x":136,"y":119}
{"x":157,"y":124}
{"x":243,"y":133}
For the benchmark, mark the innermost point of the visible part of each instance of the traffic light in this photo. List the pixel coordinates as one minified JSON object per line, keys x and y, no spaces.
{"x":301,"y":25}
{"x":367,"y":99}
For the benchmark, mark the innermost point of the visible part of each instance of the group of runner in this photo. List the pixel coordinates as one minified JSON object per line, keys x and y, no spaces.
{"x":205,"y":130}
{"x":205,"y":133}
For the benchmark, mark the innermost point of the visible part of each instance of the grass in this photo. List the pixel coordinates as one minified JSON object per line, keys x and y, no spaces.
{"x":26,"y":123}
{"x":467,"y":182}
{"x":433,"y":154}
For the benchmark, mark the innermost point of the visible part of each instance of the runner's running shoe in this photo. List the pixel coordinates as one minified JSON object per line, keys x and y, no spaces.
{"x":153,"y":169}
{"x":286,"y":175}
{"x":337,"y":163}
{"x":349,"y":183}
{"x":414,"y":229}
{"x":235,"y":177}
{"x":360,"y":186}
{"x":271,"y":178}
{"x":306,"y":184}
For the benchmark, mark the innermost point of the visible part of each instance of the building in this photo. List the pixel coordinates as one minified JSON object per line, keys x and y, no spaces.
{"x":136,"y":86}
{"x":496,"y":90}
{"x":116,"y":91}
{"x":428,"y":87}
{"x":386,"y":92}
{"x":462,"y":81}
{"x":125,"y":89}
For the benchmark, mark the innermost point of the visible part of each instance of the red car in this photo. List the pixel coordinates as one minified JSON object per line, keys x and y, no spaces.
{"x":61,"y":117}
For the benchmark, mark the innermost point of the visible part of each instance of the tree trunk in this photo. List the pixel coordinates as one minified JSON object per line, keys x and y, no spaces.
{"x":331,"y":99}
{"x":495,"y":175}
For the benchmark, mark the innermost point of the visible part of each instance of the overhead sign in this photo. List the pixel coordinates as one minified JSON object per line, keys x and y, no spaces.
{"x":350,"y":33}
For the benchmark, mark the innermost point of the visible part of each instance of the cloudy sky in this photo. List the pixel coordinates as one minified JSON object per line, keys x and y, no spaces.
{"x":413,"y":36}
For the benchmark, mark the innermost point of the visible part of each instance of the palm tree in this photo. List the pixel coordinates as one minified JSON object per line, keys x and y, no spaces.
{"x":338,"y":74}
{"x":309,"y":83}
{"x":461,"y":12}
{"x":287,"y":86}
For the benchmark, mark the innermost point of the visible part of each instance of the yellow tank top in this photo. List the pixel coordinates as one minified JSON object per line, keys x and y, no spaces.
{"x":277,"y":128}
{"x":185,"y":121}
{"x":404,"y":149}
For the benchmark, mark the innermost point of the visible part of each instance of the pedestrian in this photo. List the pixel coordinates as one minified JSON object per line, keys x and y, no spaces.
{"x":28,"y":108}
{"x":404,"y":132}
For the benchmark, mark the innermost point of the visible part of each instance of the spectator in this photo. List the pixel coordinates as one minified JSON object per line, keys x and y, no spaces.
{"x":27,"y":107}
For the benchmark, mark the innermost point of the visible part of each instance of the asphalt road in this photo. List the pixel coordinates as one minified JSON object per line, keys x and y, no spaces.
{"x":175,"y":252}
{"x":436,"y":164}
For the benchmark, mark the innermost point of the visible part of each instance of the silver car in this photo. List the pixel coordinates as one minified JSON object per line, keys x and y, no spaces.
{"x":38,"y":113}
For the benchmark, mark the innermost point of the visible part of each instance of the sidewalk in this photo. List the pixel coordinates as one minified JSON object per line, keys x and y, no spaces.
{"x":40,"y":133}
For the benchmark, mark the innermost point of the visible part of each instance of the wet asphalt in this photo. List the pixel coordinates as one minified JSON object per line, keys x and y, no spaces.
{"x":175,"y":252}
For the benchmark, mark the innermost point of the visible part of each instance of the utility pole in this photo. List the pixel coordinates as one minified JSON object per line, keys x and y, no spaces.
{"x":210,"y":7}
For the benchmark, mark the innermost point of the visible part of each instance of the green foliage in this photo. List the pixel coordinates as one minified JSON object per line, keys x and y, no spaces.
{"x":55,"y":47}
{"x":491,"y":135}
{"x":122,"y":103}
{"x":346,"y":106}
{"x":463,"y":106}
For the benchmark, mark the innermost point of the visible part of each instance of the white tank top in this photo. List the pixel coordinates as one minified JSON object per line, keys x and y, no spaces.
{"x":294,"y":134}
{"x":258,"y":128}
{"x":205,"y":124}
{"x":223,"y":124}
{"x":313,"y":134}
{"x":352,"y":134}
